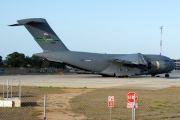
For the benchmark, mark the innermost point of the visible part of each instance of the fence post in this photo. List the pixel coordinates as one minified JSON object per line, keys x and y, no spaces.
{"x":19,"y":89}
{"x":44,"y":107}
{"x":7,"y":88}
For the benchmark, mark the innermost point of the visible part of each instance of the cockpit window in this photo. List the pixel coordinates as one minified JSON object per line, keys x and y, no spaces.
{"x":166,"y":60}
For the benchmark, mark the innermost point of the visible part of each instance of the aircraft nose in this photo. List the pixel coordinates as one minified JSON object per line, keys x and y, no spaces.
{"x":172,"y":65}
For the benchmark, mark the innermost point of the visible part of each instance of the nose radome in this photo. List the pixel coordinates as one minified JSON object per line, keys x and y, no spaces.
{"x":174,"y":65}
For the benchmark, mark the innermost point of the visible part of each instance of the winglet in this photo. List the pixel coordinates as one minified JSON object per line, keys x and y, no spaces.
{"x":141,"y":59}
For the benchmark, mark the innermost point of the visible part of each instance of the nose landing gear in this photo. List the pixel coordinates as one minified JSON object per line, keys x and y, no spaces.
{"x":166,"y":75}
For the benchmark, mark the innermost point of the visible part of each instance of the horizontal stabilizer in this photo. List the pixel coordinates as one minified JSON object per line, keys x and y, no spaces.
{"x":15,"y":25}
{"x":130,"y":59}
{"x":29,"y":21}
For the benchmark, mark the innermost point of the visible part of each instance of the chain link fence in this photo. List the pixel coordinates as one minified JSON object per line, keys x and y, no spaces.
{"x":32,"y":70}
{"x":152,"y":104}
{"x":85,"y":103}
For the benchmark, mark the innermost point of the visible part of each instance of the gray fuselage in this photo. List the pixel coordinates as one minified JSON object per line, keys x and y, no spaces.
{"x":102,"y":63}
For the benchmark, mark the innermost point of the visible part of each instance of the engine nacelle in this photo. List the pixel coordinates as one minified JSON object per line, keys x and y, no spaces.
{"x":156,"y":65}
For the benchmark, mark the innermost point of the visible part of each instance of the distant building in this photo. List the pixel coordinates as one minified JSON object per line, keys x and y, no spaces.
{"x":177,"y":61}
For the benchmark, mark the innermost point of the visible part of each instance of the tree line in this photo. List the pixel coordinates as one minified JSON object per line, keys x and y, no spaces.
{"x":16,"y":59}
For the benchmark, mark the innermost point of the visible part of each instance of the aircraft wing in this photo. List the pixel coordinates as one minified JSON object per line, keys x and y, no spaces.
{"x":130,"y":59}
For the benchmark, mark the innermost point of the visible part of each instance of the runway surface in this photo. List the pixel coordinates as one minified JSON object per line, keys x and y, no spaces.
{"x":94,"y":81}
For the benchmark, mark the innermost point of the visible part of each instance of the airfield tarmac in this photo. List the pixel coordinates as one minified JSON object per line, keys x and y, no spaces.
{"x":95,"y":81}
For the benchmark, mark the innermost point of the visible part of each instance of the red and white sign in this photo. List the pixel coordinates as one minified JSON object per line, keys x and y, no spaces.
{"x":130,"y":96}
{"x":131,"y":105}
{"x":110,"y":101}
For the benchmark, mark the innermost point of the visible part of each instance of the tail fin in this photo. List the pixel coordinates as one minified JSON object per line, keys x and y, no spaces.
{"x":43,"y":34}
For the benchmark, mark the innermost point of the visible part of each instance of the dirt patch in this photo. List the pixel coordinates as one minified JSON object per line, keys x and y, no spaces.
{"x":58,"y":106}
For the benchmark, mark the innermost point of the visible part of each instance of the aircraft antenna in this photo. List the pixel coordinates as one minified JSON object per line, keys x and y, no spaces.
{"x":161,"y":40}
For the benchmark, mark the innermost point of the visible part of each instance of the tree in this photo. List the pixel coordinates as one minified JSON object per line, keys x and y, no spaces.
{"x":19,"y":60}
{"x":1,"y":62}
{"x":36,"y":62}
{"x":15,"y":60}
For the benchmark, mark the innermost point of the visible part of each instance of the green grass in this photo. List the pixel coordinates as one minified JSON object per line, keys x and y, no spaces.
{"x":152,"y":104}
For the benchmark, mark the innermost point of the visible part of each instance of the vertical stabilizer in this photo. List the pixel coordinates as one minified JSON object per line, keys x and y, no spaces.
{"x":43,"y":34}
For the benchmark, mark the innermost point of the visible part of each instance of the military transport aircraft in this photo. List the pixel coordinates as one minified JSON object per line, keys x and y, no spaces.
{"x":119,"y":65}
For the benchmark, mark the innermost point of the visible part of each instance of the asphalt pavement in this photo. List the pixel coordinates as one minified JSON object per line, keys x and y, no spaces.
{"x":94,"y":81}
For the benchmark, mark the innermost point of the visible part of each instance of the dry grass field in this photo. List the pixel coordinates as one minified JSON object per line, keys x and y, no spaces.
{"x":92,"y":104}
{"x":152,"y":104}
{"x":29,"y":97}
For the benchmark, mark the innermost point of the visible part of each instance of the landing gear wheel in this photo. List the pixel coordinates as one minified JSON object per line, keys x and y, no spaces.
{"x":153,"y":75}
{"x":105,"y":76}
{"x":124,"y":76}
{"x":166,"y":75}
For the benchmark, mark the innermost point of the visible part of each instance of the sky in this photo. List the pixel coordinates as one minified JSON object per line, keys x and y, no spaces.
{"x":97,"y":26}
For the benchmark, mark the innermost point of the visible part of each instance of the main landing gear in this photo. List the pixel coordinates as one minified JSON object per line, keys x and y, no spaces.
{"x":166,"y":75}
{"x":154,"y":75}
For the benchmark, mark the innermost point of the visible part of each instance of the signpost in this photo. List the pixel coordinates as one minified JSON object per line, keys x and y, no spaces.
{"x":110,"y":103}
{"x":132,"y":97}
